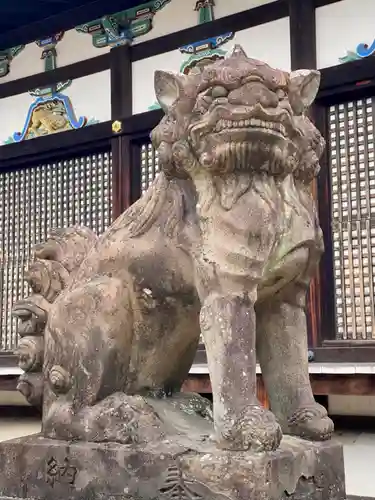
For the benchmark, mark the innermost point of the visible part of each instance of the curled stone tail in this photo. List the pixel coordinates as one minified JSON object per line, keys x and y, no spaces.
{"x":50,"y":271}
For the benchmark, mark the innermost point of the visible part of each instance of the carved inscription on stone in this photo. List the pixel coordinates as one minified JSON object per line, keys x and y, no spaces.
{"x":62,"y":472}
{"x":175,"y":488}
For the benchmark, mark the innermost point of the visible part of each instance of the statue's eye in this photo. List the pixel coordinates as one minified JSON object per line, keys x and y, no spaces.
{"x":219,"y":91}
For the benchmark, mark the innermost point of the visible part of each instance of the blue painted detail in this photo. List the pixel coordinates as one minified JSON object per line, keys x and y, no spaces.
{"x":75,"y":124}
{"x":208,"y":44}
{"x":364,"y":50}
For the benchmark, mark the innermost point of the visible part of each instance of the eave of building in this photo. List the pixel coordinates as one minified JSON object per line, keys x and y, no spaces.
{"x":23,"y":21}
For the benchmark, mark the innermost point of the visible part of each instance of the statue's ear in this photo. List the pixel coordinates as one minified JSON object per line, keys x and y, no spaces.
{"x":303,"y":88}
{"x":168,"y":89}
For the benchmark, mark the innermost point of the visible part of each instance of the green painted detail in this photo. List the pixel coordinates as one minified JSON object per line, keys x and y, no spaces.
{"x":195,"y":59}
{"x":52,"y":89}
{"x":6,"y":57}
{"x":49,"y":59}
{"x":205,"y":10}
{"x":350,"y":56}
{"x":156,"y":105}
{"x":121,"y":28}
{"x":49,"y":56}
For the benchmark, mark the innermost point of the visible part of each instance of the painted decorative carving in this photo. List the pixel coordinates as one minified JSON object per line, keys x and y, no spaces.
{"x":48,"y":115}
{"x":362,"y":50}
{"x":121,"y":28}
{"x":51,"y":111}
{"x":224,"y":242}
{"x":7,"y":56}
{"x":202,"y":52}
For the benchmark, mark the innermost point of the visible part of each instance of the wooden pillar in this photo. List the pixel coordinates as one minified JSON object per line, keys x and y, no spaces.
{"x":121,"y":109}
{"x":303,"y":56}
{"x":302,"y":34}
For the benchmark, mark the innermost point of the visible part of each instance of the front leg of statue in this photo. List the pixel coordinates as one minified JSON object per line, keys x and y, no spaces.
{"x":228,"y":328}
{"x":282,"y":350}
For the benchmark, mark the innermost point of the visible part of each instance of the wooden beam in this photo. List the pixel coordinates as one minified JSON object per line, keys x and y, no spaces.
{"x":336,"y":353}
{"x":19,"y":411}
{"x":8,"y":360}
{"x":141,"y":124}
{"x":202,"y":385}
{"x":72,"y":17}
{"x":8,"y":382}
{"x":63,"y":21}
{"x":322,"y":3}
{"x":353,"y":72}
{"x":60,"y":145}
{"x":235,"y":22}
{"x":322,"y":385}
{"x":343,"y":385}
{"x":68,"y":72}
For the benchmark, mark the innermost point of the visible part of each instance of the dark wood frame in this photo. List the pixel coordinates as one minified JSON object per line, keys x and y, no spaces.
{"x":338,"y":83}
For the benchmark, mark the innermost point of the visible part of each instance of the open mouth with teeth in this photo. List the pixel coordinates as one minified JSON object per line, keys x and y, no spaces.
{"x":252,"y":124}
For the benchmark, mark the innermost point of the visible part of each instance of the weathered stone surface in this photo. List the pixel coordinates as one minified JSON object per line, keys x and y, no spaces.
{"x":41,"y":469}
{"x":224,"y":243}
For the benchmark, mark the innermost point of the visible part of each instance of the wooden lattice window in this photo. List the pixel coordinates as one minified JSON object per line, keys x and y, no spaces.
{"x":149,"y":165}
{"x":352,"y":166}
{"x":33,"y":201}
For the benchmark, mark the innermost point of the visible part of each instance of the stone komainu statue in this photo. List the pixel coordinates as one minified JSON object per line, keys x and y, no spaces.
{"x":224,"y":242}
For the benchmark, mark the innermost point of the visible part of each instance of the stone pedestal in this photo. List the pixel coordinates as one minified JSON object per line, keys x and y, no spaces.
{"x":41,"y":469}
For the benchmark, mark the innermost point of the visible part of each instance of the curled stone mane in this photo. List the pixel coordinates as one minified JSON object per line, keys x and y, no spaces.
{"x":163,"y":204}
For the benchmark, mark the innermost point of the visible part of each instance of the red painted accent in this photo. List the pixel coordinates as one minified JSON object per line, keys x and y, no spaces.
{"x":364,"y":82}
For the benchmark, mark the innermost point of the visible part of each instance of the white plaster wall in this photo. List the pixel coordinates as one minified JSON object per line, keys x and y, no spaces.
{"x":340,"y":27}
{"x":90,"y":96}
{"x":258,"y":42}
{"x":28,"y":62}
{"x":143,"y":77}
{"x":269,"y":42}
{"x":226,"y":8}
{"x":76,"y":47}
{"x":177,"y":15}
{"x":72,"y":48}
{"x":180,"y":14}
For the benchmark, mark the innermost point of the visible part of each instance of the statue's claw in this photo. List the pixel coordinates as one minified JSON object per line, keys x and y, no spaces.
{"x":255,"y":428}
{"x":311,"y":422}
